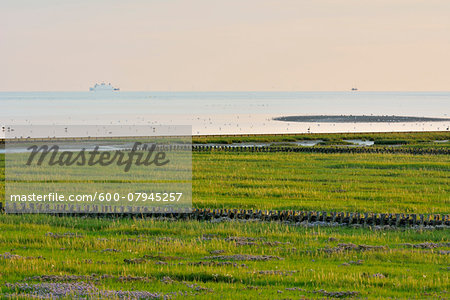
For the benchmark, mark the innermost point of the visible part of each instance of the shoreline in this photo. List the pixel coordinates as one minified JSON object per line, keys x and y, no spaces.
{"x":234,"y":124}
{"x":298,"y":136}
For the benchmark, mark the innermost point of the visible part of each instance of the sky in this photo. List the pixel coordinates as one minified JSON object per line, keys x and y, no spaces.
{"x":225,"y":45}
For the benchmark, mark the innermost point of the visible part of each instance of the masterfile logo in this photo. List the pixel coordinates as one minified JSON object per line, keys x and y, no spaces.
{"x":140,"y":155}
{"x":98,"y":168}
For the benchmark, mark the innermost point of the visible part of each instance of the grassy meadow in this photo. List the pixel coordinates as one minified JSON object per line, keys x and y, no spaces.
{"x":393,"y":183}
{"x":241,"y":260}
{"x":70,"y":257}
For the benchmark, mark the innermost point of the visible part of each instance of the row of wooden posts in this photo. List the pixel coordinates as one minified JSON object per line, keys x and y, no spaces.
{"x":315,"y":149}
{"x":228,"y":148}
{"x":290,"y":216}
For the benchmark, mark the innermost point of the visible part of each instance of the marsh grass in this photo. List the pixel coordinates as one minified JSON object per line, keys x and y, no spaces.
{"x":382,"y":138}
{"x":391,"y":183}
{"x":406,"y":272}
{"x":172,"y":256}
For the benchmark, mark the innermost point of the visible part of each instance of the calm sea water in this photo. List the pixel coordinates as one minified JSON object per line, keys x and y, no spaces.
{"x":211,"y":112}
{"x":14,"y":104}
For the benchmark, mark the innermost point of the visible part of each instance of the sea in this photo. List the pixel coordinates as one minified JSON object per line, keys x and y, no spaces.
{"x":225,"y":113}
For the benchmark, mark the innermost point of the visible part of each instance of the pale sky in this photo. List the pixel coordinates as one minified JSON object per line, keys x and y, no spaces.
{"x":225,"y":45}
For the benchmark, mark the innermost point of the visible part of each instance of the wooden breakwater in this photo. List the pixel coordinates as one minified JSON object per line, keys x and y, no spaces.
{"x":267,"y":148}
{"x":288,"y":216}
{"x":315,"y":149}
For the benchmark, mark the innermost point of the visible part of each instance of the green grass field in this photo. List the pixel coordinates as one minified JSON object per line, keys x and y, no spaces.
{"x":48,"y":255}
{"x":223,"y":260}
{"x":334,"y":182}
{"x":393,"y":183}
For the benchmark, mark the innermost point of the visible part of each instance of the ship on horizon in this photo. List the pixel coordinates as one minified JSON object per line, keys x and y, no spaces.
{"x":103,"y":87}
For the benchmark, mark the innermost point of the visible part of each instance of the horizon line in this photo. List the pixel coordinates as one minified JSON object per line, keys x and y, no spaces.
{"x":232,"y":91}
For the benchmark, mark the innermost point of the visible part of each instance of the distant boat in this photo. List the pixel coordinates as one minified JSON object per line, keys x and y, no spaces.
{"x":103,"y":87}
{"x":354,"y":89}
